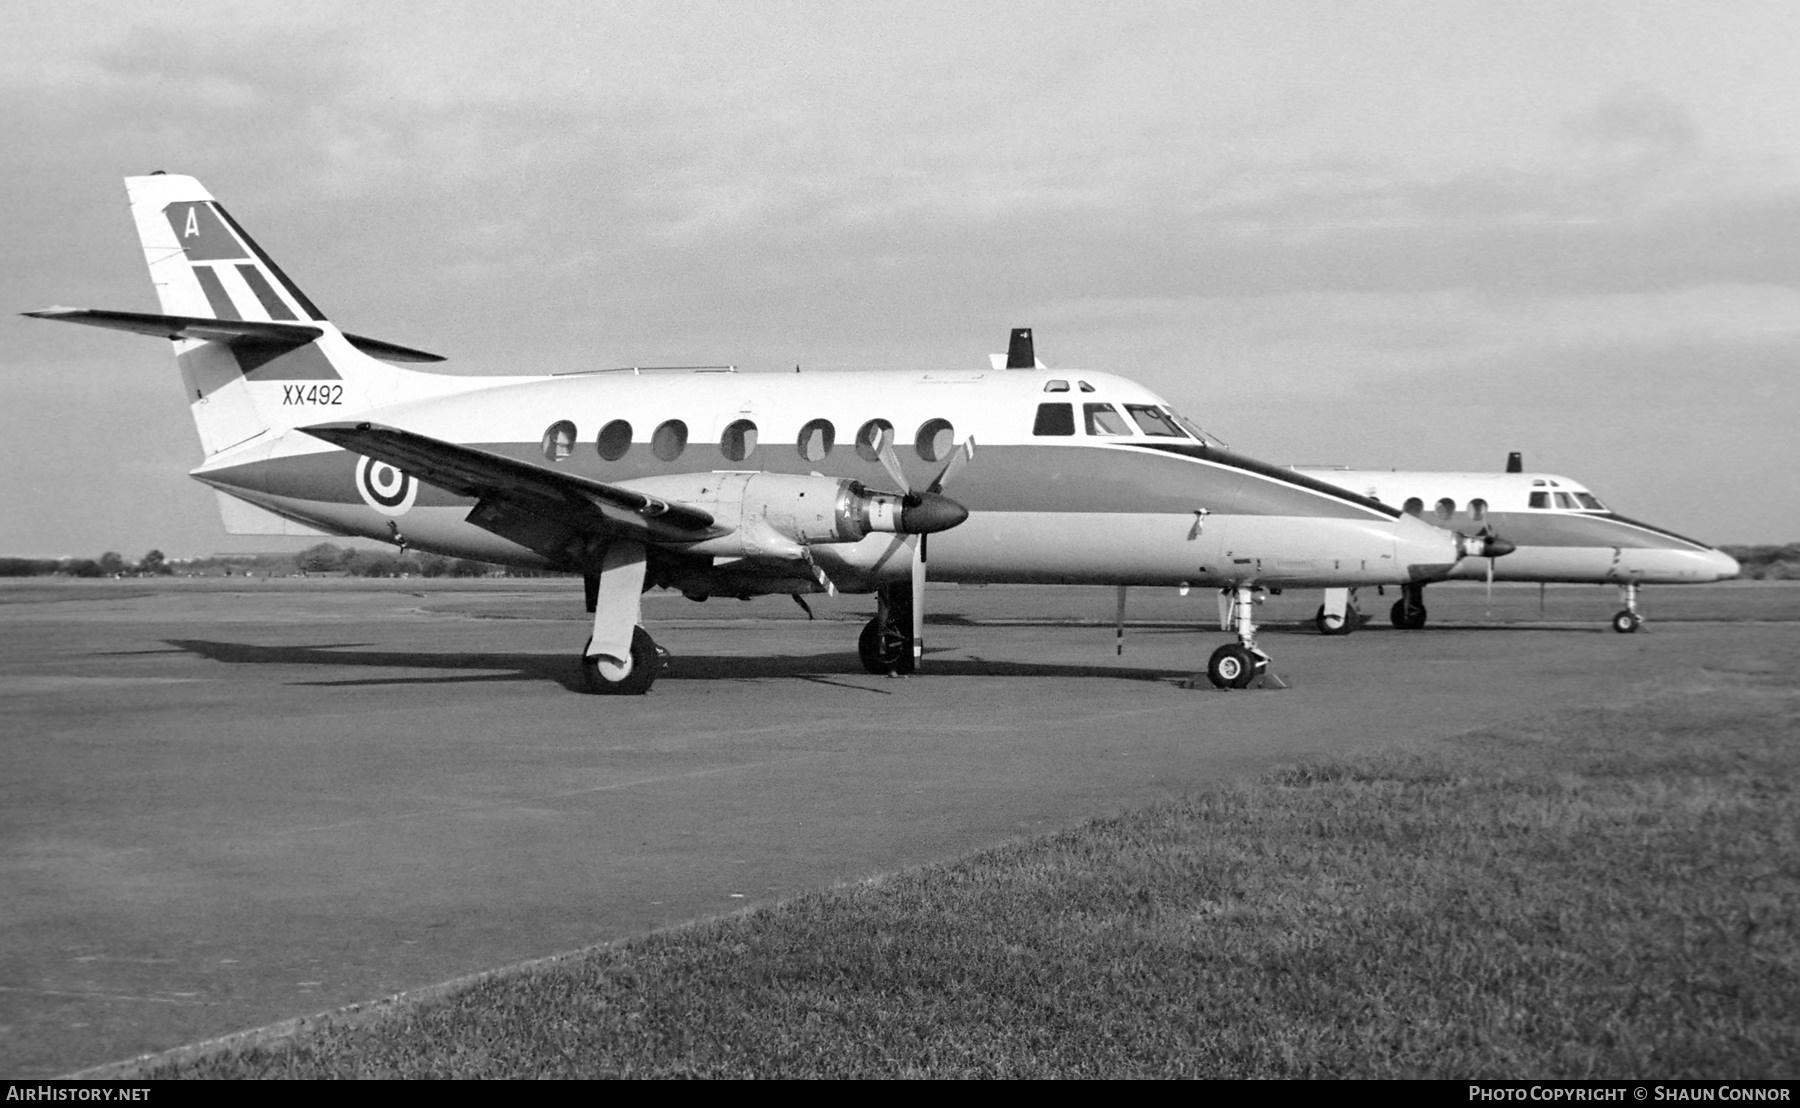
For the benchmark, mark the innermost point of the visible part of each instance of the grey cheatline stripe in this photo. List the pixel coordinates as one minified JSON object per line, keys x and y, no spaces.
{"x":215,"y":293}
{"x":1228,"y":460}
{"x":1654,"y":530}
{"x":307,"y":306}
{"x":271,"y":303}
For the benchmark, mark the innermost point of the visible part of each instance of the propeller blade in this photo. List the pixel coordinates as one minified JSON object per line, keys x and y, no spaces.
{"x":1490,"y":589}
{"x":890,"y":461}
{"x":918,"y":604}
{"x":957,"y":460}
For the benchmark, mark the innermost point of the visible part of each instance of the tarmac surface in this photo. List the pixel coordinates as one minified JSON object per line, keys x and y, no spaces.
{"x":228,"y":804}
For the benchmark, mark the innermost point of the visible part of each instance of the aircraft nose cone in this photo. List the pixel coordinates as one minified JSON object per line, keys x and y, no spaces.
{"x":933,"y":513}
{"x":1723,"y":565}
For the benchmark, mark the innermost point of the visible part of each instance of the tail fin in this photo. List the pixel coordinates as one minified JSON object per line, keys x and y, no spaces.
{"x":255,"y":353}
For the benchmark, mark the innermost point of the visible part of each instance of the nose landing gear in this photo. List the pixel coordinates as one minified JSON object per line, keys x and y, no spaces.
{"x":1628,"y":620}
{"x":1240,"y":665}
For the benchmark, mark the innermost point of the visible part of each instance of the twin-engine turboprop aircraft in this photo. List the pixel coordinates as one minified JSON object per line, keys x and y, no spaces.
{"x":1560,"y":532}
{"x":719,"y":483}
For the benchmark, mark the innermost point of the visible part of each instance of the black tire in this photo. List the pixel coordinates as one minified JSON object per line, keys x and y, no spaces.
{"x":1231,"y":667}
{"x":1626,"y":622}
{"x":883,"y":654}
{"x":1407,"y":617}
{"x":1342,"y":627}
{"x":646,"y":660}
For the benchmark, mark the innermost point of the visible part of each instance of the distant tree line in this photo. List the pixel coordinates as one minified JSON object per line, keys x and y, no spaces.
{"x":1774,"y":563}
{"x":109,"y":564}
{"x":325,"y":558}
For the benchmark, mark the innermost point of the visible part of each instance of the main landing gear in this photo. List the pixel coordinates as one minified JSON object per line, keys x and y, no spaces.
{"x":885,"y":644}
{"x":620,"y":658}
{"x":1238,"y":665}
{"x":1338,"y":615}
{"x":1408,"y":612}
{"x":1628,"y":620}
{"x":606,"y":677}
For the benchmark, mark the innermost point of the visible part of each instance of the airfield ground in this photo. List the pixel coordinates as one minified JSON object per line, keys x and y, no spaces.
{"x":231,"y":803}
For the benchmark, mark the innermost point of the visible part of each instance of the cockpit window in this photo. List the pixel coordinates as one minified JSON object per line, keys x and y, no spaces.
{"x":1056,"y":386}
{"x":1104,"y":419}
{"x":1085,"y":387}
{"x":1151,"y":420}
{"x":1564,"y":500}
{"x":1197,"y":431}
{"x":1054,"y":419}
{"x":1540,"y":500}
{"x":1589,"y":501}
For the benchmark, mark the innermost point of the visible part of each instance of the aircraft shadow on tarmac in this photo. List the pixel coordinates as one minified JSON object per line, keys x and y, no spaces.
{"x":560,"y":669}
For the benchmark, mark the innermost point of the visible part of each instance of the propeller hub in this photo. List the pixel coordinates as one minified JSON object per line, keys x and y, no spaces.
{"x":932,"y":513}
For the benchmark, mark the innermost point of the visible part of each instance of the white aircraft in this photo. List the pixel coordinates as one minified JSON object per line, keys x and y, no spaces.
{"x":719,"y":483}
{"x":1560,"y":532}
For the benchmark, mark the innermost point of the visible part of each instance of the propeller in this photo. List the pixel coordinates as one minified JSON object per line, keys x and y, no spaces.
{"x":924,"y":506}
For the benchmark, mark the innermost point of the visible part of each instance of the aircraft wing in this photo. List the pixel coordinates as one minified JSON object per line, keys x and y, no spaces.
{"x":507,"y":487}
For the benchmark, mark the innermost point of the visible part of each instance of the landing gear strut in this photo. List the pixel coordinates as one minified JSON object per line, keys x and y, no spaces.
{"x":620,"y":658}
{"x":1628,"y":620}
{"x":1338,"y":615}
{"x":885,"y":644}
{"x":1408,"y":612}
{"x":1236,"y":665}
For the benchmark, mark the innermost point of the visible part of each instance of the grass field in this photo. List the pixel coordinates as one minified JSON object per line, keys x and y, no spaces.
{"x":1609,"y":893}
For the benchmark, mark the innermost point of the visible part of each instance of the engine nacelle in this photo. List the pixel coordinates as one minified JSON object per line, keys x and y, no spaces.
{"x":779,"y":513}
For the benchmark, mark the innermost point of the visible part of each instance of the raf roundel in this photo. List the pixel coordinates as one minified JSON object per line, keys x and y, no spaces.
{"x":384,"y":487}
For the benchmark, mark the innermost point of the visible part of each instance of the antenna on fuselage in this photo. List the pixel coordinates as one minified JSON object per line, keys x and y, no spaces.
{"x":1515,"y":462}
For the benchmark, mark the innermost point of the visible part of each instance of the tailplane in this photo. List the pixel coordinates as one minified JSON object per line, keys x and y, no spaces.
{"x":255,"y":353}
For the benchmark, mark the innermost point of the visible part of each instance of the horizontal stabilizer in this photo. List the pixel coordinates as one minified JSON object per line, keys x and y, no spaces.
{"x":226,"y":331}
{"x":470,"y":471}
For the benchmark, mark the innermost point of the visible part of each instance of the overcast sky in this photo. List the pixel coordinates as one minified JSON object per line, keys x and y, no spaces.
{"x":1412,"y":235}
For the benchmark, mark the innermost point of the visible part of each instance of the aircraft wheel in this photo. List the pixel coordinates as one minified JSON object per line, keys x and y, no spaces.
{"x":882,"y":654}
{"x":1231,"y":667}
{"x":1626,"y":622}
{"x":646,"y":659}
{"x":1407,"y":617}
{"x":1334,"y":625}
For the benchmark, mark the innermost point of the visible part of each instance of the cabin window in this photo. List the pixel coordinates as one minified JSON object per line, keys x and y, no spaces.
{"x":669,"y":440}
{"x":1104,"y":419}
{"x":935,"y":440}
{"x":1445,"y":508}
{"x":1589,"y":501}
{"x":872,"y":437}
{"x":738,"y":440}
{"x":1413,"y":506}
{"x":614,"y":440}
{"x":1540,"y":500}
{"x":1151,"y":420}
{"x":1054,"y":419}
{"x":1056,"y":386}
{"x":816,"y":439}
{"x":1478,"y":510}
{"x":1564,"y":500}
{"x":559,"y":440}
